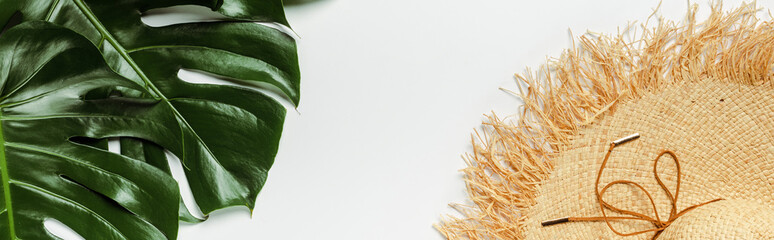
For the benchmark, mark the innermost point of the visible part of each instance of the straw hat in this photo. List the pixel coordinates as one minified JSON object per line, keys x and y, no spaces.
{"x":702,"y":91}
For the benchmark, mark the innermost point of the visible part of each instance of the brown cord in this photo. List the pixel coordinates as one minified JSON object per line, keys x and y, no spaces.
{"x":659,"y":225}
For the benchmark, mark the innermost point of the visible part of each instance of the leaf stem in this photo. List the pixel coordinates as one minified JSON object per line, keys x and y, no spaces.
{"x":51,"y":10}
{"x":6,"y":184}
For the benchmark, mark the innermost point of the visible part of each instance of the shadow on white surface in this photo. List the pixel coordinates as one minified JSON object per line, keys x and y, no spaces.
{"x":201,"y":77}
{"x":160,"y":17}
{"x":298,"y":3}
{"x":239,"y":212}
{"x":61,"y":230}
{"x":185,"y":189}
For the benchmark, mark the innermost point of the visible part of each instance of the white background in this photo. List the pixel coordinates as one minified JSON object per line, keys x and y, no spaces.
{"x":391,"y":91}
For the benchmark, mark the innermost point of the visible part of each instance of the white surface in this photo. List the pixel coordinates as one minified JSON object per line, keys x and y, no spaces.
{"x":391,"y":91}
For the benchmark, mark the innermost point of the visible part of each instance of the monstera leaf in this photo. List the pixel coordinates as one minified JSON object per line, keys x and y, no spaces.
{"x":52,"y":82}
{"x":229,"y":134}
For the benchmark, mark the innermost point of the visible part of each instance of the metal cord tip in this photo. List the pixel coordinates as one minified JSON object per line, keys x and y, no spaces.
{"x":555,"y":221}
{"x":626,"y":139}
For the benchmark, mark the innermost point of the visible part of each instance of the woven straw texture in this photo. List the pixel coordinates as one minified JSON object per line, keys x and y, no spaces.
{"x":729,"y":219}
{"x":701,"y":89}
{"x":722,"y":134}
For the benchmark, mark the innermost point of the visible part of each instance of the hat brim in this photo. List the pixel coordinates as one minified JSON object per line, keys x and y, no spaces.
{"x":701,"y":89}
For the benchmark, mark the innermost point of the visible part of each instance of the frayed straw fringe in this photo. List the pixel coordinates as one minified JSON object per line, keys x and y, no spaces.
{"x":511,"y":159}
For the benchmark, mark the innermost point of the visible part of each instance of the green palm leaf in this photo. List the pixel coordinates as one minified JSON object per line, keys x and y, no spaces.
{"x":228,"y":135}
